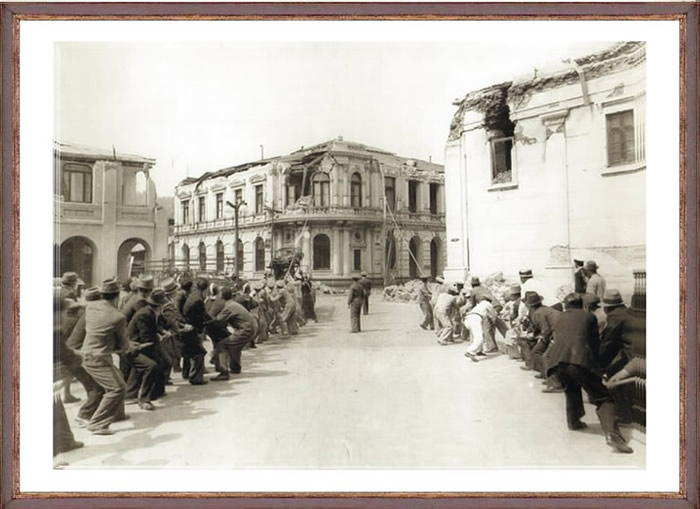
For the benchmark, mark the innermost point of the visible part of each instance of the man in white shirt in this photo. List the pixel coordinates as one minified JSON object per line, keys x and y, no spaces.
{"x":474,"y":322}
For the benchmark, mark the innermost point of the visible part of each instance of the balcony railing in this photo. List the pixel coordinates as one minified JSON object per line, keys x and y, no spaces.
{"x":373,"y":214}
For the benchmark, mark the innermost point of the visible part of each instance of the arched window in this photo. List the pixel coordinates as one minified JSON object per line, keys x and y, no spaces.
{"x":186,"y":256}
{"x":322,"y":190}
{"x":322,"y":252}
{"x":356,"y":190}
{"x":259,"y":255}
{"x":239,"y":256}
{"x":219,"y":256}
{"x":202,"y":256}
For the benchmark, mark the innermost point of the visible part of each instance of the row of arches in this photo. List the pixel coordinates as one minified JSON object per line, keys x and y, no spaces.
{"x":80,"y":254}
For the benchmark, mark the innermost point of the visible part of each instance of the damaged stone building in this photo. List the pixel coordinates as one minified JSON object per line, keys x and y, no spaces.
{"x":550,"y":168}
{"x":107,"y":219}
{"x":347,"y":207}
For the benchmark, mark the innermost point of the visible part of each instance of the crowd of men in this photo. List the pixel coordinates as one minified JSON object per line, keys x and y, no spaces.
{"x":123,"y":341}
{"x":581,"y":340}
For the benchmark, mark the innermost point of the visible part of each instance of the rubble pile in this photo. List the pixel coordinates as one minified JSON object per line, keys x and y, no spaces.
{"x":498,"y":286}
{"x":325,"y":289}
{"x":407,"y":292}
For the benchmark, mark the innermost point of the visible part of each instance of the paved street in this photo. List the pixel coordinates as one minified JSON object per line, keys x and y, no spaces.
{"x":389,"y":397}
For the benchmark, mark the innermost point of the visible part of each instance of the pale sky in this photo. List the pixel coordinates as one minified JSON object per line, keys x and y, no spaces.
{"x":199,"y":107}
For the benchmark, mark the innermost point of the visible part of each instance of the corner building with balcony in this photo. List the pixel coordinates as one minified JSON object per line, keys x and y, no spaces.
{"x":346,"y":206}
{"x":107,"y":221}
{"x":550,"y":168}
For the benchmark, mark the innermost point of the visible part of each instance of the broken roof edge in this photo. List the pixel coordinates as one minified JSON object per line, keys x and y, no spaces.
{"x":596,"y":62}
{"x":98,"y":154}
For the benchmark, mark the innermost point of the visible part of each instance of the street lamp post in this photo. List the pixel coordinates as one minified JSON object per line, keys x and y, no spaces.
{"x":236,"y":207}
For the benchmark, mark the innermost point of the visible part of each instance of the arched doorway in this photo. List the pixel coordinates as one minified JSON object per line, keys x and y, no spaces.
{"x":202,"y":257}
{"x":186,"y":256}
{"x":414,"y":257}
{"x":132,"y":257}
{"x":322,"y":252}
{"x":219,"y":256}
{"x":435,"y":257}
{"x":77,"y":254}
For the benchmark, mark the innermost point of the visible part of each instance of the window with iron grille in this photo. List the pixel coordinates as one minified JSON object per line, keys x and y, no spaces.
{"x":620,"y":137}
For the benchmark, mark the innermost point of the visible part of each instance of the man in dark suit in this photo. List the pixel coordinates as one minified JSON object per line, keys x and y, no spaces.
{"x":366,"y":285}
{"x":573,"y":357}
{"x":543,"y":318}
{"x":356,"y":298}
{"x":147,"y":358}
{"x":243,"y":328}
{"x":195,"y":314}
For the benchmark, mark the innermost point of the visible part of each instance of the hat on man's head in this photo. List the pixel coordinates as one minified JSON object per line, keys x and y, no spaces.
{"x":514,"y":290}
{"x":440,"y":279}
{"x":363,"y":274}
{"x":109,"y":286}
{"x":145,"y":283}
{"x":591,"y":265}
{"x":92,"y":293}
{"x":532,"y":299}
{"x":69,"y":278}
{"x":578,"y":263}
{"x":355,"y":277}
{"x":156,"y":298}
{"x":612,"y":298}
{"x":475,"y":281}
{"x":169,"y":285}
{"x":525,"y":273}
{"x":280,"y":284}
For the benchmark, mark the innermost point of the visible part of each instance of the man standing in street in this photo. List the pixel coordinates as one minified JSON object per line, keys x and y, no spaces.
{"x":105,"y":334}
{"x":424,"y":297}
{"x":574,"y":358}
{"x":445,"y":308}
{"x":367,"y":287}
{"x":482,"y":313}
{"x":596,"y":283}
{"x":356,"y":298}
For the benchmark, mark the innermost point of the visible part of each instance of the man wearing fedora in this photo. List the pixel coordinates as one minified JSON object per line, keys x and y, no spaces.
{"x":146,"y":357}
{"x":424,"y":296}
{"x":356,"y":299}
{"x":367,"y":287}
{"x":596,"y":283}
{"x":574,"y":358}
{"x":445,"y":309}
{"x":195,"y":315}
{"x":105,"y":334}
{"x":529,"y":283}
{"x":616,"y":342}
{"x":69,"y":281}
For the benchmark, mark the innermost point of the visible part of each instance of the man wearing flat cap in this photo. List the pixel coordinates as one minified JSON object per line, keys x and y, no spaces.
{"x":574,"y":358}
{"x":105,"y":334}
{"x":596,"y":283}
{"x":356,"y":298}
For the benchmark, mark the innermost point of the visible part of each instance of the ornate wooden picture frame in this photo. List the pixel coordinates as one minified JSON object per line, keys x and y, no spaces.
{"x":686,"y":14}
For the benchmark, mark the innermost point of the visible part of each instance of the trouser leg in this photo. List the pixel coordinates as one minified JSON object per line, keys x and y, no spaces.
{"x":148,"y":371}
{"x":92,"y":389}
{"x":186,"y":366}
{"x":196,"y":368}
{"x":365,"y":305}
{"x":474,"y":323}
{"x":112,"y":382}
{"x":572,"y":391}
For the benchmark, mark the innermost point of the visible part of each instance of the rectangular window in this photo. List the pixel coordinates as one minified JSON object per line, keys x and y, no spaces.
{"x":620,"y":137}
{"x":202,"y":209}
{"x":434,"y":198}
{"x":357,"y":259}
{"x":77,"y":183}
{"x":293,"y":193}
{"x":259,"y":199}
{"x":219,"y":205}
{"x":501,"y":161}
{"x":238,"y":196}
{"x":413,"y":196}
{"x":185,"y":212}
{"x":390,"y":192}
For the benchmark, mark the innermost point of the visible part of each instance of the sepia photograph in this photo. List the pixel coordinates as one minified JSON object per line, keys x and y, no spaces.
{"x":306,"y":247}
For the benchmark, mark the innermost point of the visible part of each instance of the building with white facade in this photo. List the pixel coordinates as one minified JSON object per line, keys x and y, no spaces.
{"x":550,"y":168}
{"x":107,"y":220}
{"x":346,"y":206}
